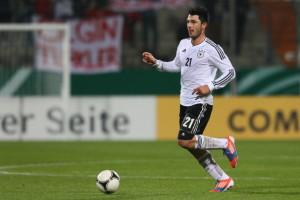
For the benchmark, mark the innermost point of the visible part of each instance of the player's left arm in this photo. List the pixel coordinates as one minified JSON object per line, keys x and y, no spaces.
{"x":222,"y":62}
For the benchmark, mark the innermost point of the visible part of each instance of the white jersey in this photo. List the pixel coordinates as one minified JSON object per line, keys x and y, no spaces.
{"x":198,"y":66}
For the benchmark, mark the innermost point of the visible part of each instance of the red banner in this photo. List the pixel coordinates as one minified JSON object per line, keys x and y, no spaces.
{"x":95,"y":46}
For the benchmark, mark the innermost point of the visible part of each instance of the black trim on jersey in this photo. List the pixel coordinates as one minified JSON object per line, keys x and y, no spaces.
{"x":217,"y":47}
{"x":224,"y":79}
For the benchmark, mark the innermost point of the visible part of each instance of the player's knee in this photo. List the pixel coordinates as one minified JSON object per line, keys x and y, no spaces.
{"x":187,"y":144}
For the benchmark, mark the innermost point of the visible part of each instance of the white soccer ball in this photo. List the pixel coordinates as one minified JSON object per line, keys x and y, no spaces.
{"x":108,"y":181}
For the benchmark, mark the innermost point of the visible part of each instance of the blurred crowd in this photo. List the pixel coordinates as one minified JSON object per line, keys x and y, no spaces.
{"x":26,"y":10}
{"x":158,"y":29}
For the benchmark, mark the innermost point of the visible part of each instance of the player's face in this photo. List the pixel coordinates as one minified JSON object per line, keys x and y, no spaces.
{"x":194,"y":26}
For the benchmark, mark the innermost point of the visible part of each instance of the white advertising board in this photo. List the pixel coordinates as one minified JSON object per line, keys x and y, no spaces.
{"x":86,"y":118}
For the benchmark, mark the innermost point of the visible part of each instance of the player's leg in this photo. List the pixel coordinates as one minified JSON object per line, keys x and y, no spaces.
{"x":187,"y":139}
{"x":193,"y":121}
{"x":227,"y":144}
{"x":192,"y":126}
{"x":204,"y":158}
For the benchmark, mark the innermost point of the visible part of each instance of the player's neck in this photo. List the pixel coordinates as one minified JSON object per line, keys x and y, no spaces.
{"x":198,"y":40}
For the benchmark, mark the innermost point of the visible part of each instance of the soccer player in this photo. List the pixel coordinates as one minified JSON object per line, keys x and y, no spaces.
{"x":198,"y":59}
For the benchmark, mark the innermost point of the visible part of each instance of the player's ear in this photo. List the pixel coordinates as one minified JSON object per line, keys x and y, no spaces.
{"x":204,"y":26}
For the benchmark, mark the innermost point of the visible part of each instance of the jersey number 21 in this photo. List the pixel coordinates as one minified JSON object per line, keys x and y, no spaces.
{"x":188,"y":62}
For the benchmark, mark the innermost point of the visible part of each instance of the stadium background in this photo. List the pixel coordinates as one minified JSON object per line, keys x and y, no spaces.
{"x":122,"y":114}
{"x":266,"y":60}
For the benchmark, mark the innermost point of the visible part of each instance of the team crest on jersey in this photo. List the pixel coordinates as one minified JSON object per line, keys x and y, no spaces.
{"x":200,"y":54}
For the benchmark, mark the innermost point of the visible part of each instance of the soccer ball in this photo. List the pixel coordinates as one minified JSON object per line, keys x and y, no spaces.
{"x":108,"y":181}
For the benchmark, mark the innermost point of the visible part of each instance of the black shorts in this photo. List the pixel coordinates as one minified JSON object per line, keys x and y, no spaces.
{"x":193,"y":120}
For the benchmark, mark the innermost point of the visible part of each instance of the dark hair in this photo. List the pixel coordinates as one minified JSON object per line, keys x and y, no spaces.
{"x":201,"y":12}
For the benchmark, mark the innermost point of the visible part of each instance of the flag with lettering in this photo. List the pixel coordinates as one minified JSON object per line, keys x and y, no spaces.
{"x":95,"y":46}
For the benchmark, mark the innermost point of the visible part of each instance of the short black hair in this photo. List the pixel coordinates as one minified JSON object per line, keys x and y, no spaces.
{"x":201,"y":12}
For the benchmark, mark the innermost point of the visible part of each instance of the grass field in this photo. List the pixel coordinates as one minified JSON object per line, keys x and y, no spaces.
{"x":148,"y":170}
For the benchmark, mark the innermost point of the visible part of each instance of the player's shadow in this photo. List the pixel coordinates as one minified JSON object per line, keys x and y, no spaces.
{"x":269,"y":190}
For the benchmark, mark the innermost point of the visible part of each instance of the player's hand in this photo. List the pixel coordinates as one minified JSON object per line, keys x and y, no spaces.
{"x":202,"y":90}
{"x":148,"y":58}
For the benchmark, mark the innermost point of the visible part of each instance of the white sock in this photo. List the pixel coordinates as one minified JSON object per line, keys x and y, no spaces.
{"x":211,"y":167}
{"x":216,"y":172}
{"x":204,"y":142}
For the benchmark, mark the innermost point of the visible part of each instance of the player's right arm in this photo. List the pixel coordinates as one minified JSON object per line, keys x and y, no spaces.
{"x":149,"y":58}
{"x":171,"y":66}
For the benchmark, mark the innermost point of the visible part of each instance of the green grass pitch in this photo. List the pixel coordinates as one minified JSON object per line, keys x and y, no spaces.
{"x":148,"y":170}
